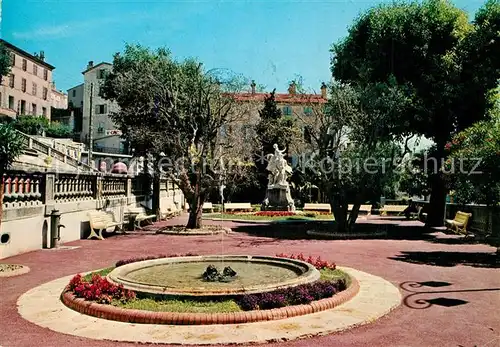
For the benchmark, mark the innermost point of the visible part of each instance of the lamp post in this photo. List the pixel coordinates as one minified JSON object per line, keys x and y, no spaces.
{"x":91,"y":136}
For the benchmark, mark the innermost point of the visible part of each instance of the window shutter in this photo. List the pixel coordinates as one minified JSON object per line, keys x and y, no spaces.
{"x":97,"y":109}
{"x":105,"y":108}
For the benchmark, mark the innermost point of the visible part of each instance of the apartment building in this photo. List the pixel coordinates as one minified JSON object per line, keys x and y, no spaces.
{"x":27,"y":89}
{"x":105,"y":135}
{"x":300,"y":106}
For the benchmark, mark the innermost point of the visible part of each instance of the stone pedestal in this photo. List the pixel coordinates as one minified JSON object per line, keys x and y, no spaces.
{"x":278,"y":198}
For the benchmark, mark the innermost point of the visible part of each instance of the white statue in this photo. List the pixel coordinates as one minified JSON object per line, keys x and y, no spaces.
{"x":278,"y":167}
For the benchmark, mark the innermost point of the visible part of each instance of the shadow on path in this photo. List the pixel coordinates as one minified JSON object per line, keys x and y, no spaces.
{"x":449,"y":259}
{"x":415,"y":301}
{"x":365,"y":230}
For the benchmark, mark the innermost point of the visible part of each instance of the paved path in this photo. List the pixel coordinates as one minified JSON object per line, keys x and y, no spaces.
{"x":459,"y":282}
{"x":376,"y":298}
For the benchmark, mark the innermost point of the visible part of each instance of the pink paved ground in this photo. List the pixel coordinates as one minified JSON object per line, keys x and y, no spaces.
{"x":463,"y":313}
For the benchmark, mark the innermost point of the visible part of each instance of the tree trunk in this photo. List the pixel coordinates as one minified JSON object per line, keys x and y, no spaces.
{"x":195,"y":214}
{"x":196,"y":209}
{"x":340,"y":214}
{"x":353,"y":216}
{"x":437,"y":201}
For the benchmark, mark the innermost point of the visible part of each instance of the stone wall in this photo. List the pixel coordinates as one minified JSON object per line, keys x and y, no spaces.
{"x":30,"y":198}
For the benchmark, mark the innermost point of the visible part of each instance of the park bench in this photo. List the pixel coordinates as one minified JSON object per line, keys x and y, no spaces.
{"x":208,"y":207}
{"x":169,"y":211}
{"x":396,"y":209}
{"x":317,"y":207}
{"x":139,"y":215}
{"x":100,"y":221}
{"x":238,"y":206}
{"x":459,"y":223}
{"x":362,"y":209}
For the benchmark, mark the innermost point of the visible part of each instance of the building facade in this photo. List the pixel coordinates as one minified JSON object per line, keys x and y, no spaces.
{"x":58,"y":98}
{"x":105,"y":135}
{"x":27,"y":89}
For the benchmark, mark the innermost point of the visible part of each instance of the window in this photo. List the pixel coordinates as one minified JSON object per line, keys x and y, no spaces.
{"x":74,"y":92}
{"x":45,"y":74}
{"x":101,"y":74}
{"x":35,"y":69}
{"x":100,"y":128}
{"x":308,"y":110}
{"x":25,"y":65}
{"x":23,"y":107}
{"x":34,"y":89}
{"x":33,"y":109}
{"x":44,"y":111}
{"x":287,"y":111}
{"x":11,"y":102}
{"x":12,"y":59}
{"x":23,"y":85}
{"x":100,"y":109}
{"x":45,"y":92}
{"x":12,"y":79}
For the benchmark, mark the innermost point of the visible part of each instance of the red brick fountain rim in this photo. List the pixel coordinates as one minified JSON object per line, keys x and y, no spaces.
{"x":175,"y":318}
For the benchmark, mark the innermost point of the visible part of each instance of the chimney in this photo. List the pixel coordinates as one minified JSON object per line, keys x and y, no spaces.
{"x":323,"y":90}
{"x":90,"y":64}
{"x":292,"y":88}
{"x":42,"y":56}
{"x":253,"y":85}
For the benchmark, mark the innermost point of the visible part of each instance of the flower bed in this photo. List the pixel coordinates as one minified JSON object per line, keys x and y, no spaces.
{"x":275,"y":213}
{"x":318,"y":263}
{"x":94,"y":295}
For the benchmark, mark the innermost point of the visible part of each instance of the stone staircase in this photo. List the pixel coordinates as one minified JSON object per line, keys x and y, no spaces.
{"x":38,"y":156}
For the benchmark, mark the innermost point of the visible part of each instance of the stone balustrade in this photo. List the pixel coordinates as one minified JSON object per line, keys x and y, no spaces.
{"x":70,"y":187}
{"x":22,"y":189}
{"x":114,"y":186}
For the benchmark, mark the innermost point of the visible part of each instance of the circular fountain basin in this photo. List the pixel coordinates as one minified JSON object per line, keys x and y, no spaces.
{"x":182,"y":276}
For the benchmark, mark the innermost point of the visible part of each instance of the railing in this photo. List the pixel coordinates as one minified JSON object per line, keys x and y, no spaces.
{"x":33,"y":143}
{"x":22,"y":189}
{"x":114,"y":186}
{"x":68,"y":187}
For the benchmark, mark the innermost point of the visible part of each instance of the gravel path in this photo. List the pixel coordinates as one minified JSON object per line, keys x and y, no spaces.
{"x":459,"y":284}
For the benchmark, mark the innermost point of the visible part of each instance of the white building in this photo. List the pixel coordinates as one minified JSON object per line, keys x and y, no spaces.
{"x":106,"y":137}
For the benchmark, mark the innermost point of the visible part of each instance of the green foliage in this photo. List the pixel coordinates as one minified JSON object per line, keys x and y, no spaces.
{"x":418,"y":46}
{"x":4,"y":61}
{"x":59,"y":130}
{"x":353,"y":147}
{"x":473,"y":184}
{"x":11,"y":146}
{"x":446,"y":65}
{"x":176,"y":109}
{"x":414,"y":178}
{"x":273,"y":127}
{"x":36,"y":125}
{"x":31,"y":125}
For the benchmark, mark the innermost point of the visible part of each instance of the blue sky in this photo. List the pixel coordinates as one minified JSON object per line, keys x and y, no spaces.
{"x":270,"y":41}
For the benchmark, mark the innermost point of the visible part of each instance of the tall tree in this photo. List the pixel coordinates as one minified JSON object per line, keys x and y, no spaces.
{"x":428,"y":48}
{"x":273,"y":127}
{"x":353,"y":150}
{"x":11,"y":146}
{"x":175,"y":111}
